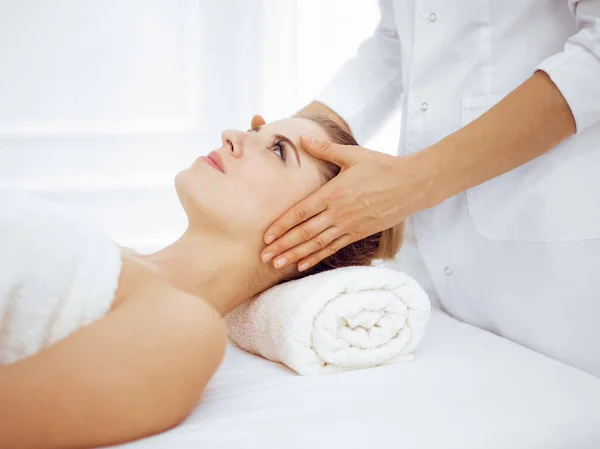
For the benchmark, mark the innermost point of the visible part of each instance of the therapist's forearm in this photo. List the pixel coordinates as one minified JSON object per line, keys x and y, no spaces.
{"x":525,"y":124}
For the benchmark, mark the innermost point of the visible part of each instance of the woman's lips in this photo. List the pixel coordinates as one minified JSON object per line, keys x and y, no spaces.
{"x":215,"y":160}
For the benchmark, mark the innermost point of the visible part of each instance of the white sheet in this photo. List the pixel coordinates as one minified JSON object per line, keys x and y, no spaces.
{"x":466,"y":388}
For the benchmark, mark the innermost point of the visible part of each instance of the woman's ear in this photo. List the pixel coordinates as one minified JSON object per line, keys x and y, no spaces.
{"x":257,"y":121}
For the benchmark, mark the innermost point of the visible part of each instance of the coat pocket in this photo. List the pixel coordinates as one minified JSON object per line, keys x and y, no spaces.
{"x":554,"y":198}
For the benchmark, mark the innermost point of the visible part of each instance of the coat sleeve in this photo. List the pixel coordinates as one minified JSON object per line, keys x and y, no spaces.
{"x":576,"y":69}
{"x":367,"y":88}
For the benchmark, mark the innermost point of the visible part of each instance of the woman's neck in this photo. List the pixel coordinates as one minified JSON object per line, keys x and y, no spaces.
{"x":215,"y":268}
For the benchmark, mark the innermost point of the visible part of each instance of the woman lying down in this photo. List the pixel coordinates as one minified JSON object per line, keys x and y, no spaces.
{"x":128,"y":353}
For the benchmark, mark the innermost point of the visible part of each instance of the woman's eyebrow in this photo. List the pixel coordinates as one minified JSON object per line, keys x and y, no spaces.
{"x":291,"y":144}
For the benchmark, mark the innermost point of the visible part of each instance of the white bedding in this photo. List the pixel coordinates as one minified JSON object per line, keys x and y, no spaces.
{"x":466,"y":388}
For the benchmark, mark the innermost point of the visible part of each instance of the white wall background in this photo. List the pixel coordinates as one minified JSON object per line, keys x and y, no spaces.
{"x":103,"y":102}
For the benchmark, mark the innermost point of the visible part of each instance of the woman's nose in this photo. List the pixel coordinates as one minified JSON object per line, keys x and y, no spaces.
{"x":234,"y":140}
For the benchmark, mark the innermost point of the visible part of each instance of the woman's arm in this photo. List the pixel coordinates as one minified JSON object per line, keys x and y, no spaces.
{"x":138,"y":371}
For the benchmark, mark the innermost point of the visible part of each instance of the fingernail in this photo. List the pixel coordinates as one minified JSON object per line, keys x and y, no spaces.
{"x":280,"y":262}
{"x":303,"y":266}
{"x":267,"y":257}
{"x":307,"y":138}
{"x":269,"y":238}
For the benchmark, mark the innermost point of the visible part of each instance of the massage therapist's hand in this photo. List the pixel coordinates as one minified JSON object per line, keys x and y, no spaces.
{"x":373,"y":191}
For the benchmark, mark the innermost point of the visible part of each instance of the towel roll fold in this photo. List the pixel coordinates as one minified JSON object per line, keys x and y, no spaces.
{"x":347,"y":318}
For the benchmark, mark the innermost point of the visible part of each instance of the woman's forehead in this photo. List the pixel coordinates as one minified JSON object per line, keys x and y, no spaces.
{"x":293,"y":127}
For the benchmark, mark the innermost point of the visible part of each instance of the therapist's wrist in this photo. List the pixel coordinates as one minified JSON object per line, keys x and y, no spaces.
{"x":432,"y":175}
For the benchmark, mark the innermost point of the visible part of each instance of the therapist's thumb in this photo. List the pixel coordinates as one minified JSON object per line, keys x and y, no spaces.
{"x":327,"y":151}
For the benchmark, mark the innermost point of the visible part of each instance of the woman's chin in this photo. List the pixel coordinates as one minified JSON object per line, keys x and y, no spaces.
{"x":208,"y":202}
{"x":181,"y":182}
{"x":194,"y":196}
{"x":187,"y":189}
{"x":188,"y":180}
{"x":180,"y":177}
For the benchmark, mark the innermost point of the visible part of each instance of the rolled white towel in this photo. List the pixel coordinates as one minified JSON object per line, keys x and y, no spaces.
{"x":342,"y":319}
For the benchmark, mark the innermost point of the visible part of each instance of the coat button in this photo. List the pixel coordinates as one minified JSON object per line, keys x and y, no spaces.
{"x":432,"y":17}
{"x":447,"y":271}
{"x":424,"y":106}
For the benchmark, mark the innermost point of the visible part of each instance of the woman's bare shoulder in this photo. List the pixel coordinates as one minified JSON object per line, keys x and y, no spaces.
{"x":160,"y":346}
{"x":139,"y":283}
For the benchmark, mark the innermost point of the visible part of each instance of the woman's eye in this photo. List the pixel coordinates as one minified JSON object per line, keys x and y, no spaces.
{"x":279,"y":150}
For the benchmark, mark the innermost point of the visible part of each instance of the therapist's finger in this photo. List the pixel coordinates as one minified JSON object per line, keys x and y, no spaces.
{"x":257,"y":121}
{"x":324,"y":253}
{"x":307,"y":248}
{"x":299,"y":213}
{"x":340,"y":155}
{"x":296,"y":236}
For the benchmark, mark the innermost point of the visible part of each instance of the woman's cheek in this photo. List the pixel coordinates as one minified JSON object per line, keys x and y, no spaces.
{"x":274,"y":203}
{"x":264,"y":194}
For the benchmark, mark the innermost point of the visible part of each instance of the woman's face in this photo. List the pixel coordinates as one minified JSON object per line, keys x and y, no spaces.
{"x":253,"y":178}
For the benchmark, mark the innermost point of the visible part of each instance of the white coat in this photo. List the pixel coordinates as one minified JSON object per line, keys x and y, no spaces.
{"x":518,"y":255}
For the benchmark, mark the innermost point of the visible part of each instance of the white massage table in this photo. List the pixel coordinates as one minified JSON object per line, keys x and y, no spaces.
{"x":466,"y":389}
